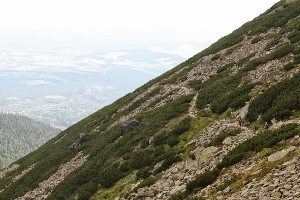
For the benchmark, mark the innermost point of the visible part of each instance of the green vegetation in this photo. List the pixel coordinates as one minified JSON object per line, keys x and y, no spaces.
{"x":252,"y":65}
{"x":277,"y":102}
{"x":216,"y":56}
{"x":104,"y":152}
{"x":232,"y":49}
{"x":164,"y":133}
{"x":245,"y":60}
{"x":184,"y":195}
{"x":260,"y":24}
{"x":282,"y":51}
{"x":222,"y":91}
{"x":139,"y":102}
{"x":263,"y":140}
{"x":293,"y":64}
{"x":276,"y":54}
{"x":294,"y":36}
{"x":203,"y":180}
{"x":257,"y":39}
{"x":234,"y":99}
{"x":275,"y":41}
{"x":172,"y":137}
{"x":225,"y":67}
{"x":226,"y":184}
{"x":20,"y":135}
{"x":288,"y":66}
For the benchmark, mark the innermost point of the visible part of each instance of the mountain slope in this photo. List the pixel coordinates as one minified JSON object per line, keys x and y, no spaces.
{"x":220,"y":125}
{"x":19,"y":135}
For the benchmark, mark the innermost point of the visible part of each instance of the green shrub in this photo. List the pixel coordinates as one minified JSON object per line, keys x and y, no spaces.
{"x":110,"y":175}
{"x":143,"y":173}
{"x":272,"y":43}
{"x":226,"y":184}
{"x":296,"y":60}
{"x":87,"y":190}
{"x":203,"y":180}
{"x":265,"y":139}
{"x":235,"y":99}
{"x":172,"y":137}
{"x":232,"y":49}
{"x":179,"y":196}
{"x":252,"y":65}
{"x":216,"y":56}
{"x":283,"y":51}
{"x":215,"y":88}
{"x":257,"y":39}
{"x":288,"y":66}
{"x":279,"y":101}
{"x":172,"y":140}
{"x":183,"y":126}
{"x":147,"y":182}
{"x":294,"y":36}
{"x":244,"y":60}
{"x":170,"y":159}
{"x":160,"y":139}
{"x":141,"y":159}
{"x":276,"y":54}
{"x":225,"y":67}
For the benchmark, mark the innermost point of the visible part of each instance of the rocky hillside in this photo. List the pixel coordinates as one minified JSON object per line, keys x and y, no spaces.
{"x":20,"y":135}
{"x":224,"y":124}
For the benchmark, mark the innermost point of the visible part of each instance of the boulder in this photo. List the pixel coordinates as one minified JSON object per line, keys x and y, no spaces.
{"x":281,"y":154}
{"x":228,"y":141}
{"x":82,"y":139}
{"x":129,"y":125}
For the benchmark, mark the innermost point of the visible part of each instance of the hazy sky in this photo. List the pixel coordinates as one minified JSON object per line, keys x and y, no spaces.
{"x":124,"y":23}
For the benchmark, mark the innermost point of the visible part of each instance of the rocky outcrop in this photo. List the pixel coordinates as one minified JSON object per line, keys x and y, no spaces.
{"x":8,"y":169}
{"x":25,"y":171}
{"x":283,"y":182}
{"x":129,"y":125}
{"x":174,"y":179}
{"x":281,"y":154}
{"x":82,"y":138}
{"x":46,"y":187}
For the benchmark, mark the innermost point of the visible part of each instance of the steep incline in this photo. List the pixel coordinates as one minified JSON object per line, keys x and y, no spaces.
{"x":219,"y":126}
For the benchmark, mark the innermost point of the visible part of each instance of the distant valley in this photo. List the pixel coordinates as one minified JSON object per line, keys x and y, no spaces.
{"x":62,"y":87}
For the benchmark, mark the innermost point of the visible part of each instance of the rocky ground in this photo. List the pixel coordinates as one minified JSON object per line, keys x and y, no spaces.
{"x":44,"y":189}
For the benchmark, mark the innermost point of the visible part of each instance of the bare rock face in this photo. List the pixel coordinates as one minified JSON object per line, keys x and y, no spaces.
{"x":129,"y":125}
{"x":283,"y":182}
{"x":228,"y":141}
{"x":281,"y":154}
{"x":76,"y":145}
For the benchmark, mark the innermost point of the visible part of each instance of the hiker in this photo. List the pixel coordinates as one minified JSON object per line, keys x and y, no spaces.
{"x":240,"y":121}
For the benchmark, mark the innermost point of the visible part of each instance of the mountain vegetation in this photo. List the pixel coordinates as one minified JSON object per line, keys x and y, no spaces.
{"x":225,"y":124}
{"x":20,"y":135}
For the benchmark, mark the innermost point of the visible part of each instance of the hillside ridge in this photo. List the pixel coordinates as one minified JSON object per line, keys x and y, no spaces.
{"x":19,"y":135}
{"x":225,"y":124}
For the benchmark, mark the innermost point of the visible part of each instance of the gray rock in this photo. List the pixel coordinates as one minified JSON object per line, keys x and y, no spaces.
{"x":82,"y":139}
{"x":129,"y":125}
{"x":281,"y":154}
{"x":228,"y":141}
